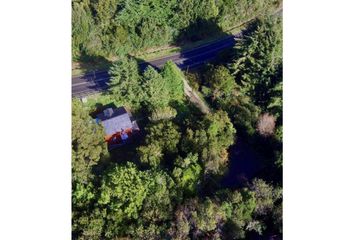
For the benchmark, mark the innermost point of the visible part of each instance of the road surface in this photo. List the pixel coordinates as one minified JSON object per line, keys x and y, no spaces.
{"x":96,"y":82}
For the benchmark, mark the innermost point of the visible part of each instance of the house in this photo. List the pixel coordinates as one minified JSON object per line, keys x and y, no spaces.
{"x":118,"y":125}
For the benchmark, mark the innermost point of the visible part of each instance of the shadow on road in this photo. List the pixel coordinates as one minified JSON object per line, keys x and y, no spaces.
{"x":92,"y":82}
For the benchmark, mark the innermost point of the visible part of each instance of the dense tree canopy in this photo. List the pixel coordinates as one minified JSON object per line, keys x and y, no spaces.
{"x":257,"y":60}
{"x":82,"y":26}
{"x":174,"y":80}
{"x":211,"y":140}
{"x":266,"y":196}
{"x":125,"y":82}
{"x":245,"y":113}
{"x":187,"y":172}
{"x":88,"y":146}
{"x":156,"y":89}
{"x":161,"y":139}
{"x":115,"y":27}
{"x":221,"y":82}
{"x":128,"y":193}
{"x":88,"y":149}
{"x":227,"y":215}
{"x":275,"y":104}
{"x":240,"y":206}
{"x":171,"y":182}
{"x":151,"y":89}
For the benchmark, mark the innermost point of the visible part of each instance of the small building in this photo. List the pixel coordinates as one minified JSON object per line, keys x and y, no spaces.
{"x":118,"y":125}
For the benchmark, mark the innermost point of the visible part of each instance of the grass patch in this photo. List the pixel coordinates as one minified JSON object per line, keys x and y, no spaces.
{"x":169,"y":50}
{"x":79,"y":68}
{"x":91,"y":101}
{"x":87,"y":64}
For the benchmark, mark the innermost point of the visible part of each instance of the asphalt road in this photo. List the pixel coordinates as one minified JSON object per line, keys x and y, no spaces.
{"x":91,"y":83}
{"x":96,"y":82}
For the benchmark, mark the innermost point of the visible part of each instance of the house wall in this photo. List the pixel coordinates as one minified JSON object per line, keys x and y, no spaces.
{"x":108,"y":138}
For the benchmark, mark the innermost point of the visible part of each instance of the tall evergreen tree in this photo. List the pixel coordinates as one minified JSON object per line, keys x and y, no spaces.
{"x":257,"y":58}
{"x":275,"y":105}
{"x":82,"y":27}
{"x":156,"y":89}
{"x":125,"y":82}
{"x":174,"y":80}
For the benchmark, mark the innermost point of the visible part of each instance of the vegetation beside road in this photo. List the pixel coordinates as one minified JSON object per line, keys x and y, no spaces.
{"x":167,"y":184}
{"x":104,"y":30}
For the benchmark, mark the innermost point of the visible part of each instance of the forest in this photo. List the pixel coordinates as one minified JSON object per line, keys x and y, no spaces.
{"x":171,"y":182}
{"x":111,"y":28}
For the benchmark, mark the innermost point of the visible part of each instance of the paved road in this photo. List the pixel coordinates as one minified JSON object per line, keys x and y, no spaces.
{"x":97,"y":82}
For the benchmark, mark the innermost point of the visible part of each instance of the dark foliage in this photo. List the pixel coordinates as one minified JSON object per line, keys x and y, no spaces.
{"x":168,"y":184}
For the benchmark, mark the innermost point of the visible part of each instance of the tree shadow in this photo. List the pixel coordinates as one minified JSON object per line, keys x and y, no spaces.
{"x":197,"y":46}
{"x":99,"y":108}
{"x":199,"y":30}
{"x":245,"y":163}
{"x":89,"y":83}
{"x":98,"y":82}
{"x":90,"y":64}
{"x":201,"y":50}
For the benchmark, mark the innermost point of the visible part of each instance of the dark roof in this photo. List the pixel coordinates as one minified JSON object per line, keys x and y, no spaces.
{"x":116,"y":112}
{"x":115,"y":120}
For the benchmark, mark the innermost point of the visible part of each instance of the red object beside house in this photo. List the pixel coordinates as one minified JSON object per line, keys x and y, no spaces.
{"x":118,"y":125}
